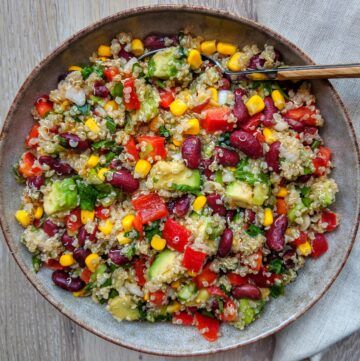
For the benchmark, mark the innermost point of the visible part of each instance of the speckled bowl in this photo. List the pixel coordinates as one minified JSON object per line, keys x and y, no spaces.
{"x":314,"y":279}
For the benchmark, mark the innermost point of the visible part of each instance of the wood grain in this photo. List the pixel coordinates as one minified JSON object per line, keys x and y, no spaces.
{"x":31,"y":329}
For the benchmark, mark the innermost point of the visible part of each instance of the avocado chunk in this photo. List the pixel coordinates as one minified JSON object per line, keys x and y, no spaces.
{"x":296,"y":211}
{"x":322,"y":192}
{"x":165,"y":64}
{"x":187,"y":292}
{"x":261,"y":192}
{"x":240,"y":193}
{"x":63,"y":196}
{"x":248,"y":312}
{"x":149,"y":108}
{"x":174,"y":176}
{"x":162,"y":267}
{"x":123,"y":308}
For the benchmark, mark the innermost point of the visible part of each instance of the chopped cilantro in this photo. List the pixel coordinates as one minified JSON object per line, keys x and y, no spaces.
{"x":276,"y":266}
{"x":253,"y":230}
{"x":36,"y":263}
{"x":151,"y":230}
{"x":88,"y":195}
{"x":110,"y":124}
{"x":277,"y":290}
{"x":164,"y":132}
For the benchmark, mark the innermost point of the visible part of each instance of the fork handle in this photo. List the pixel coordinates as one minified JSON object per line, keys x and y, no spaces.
{"x":319,"y":72}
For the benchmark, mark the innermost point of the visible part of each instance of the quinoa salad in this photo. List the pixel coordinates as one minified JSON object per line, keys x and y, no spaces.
{"x":168,"y":192}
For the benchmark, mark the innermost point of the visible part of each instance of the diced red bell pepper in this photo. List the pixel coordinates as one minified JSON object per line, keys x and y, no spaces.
{"x":322,"y":160}
{"x":259,"y":255}
{"x":73,"y":220}
{"x":53,"y":264}
{"x":27,"y":168}
{"x":303,"y":114}
{"x":252,"y":124}
{"x":176,"y":235}
{"x":236,"y":280}
{"x":183,"y":318}
{"x":319,"y":245}
{"x":281,"y":207}
{"x":300,"y":240}
{"x":166,"y":98}
{"x":217,"y":119}
{"x":217,"y":291}
{"x":206,"y":277}
{"x":140,"y":268}
{"x":102,"y":212}
{"x":130,"y":147}
{"x":229,"y":313}
{"x":111,"y":72}
{"x":193,"y":260}
{"x":32,"y":140}
{"x":200,"y":107}
{"x":150,"y":207}
{"x":43,"y":105}
{"x":131,"y":100}
{"x":157,"y":298}
{"x":330,"y":218}
{"x":264,"y":278}
{"x":207,"y":326}
{"x":86,"y":275}
{"x":155,"y":146}
{"x":138,"y":225}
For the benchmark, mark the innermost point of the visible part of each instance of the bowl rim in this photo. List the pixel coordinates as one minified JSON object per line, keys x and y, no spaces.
{"x":85,"y":31}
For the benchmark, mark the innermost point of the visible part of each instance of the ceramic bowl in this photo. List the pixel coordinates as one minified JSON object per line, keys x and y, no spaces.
{"x":165,"y":338}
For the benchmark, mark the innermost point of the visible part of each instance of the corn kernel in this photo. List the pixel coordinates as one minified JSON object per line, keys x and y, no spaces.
{"x":39,"y":211}
{"x":265,"y":292}
{"x":122,"y":239}
{"x":236,"y":62}
{"x":92,"y":261}
{"x":93,"y":161}
{"x":268,"y":217}
{"x":64,"y":105}
{"x":80,"y":293}
{"x":127,"y":222}
{"x":142,"y":168}
{"x":257,"y":76}
{"x":199,"y":203}
{"x":146,"y":296}
{"x":174,"y":307}
{"x":101,"y":173}
{"x":177,"y":142}
{"x":23,"y":217}
{"x":158,"y":243}
{"x":74,"y":68}
{"x":255,"y":105}
{"x":87,"y":216}
{"x":137,"y":47}
{"x":282,"y":192}
{"x":175,"y":284}
{"x":214,"y":94}
{"x":208,"y":47}
{"x":67,"y":260}
{"x":92,"y":125}
{"x":103,"y":58}
{"x":104,"y":50}
{"x":111,"y":105}
{"x":194,"y":59}
{"x":178,"y":107}
{"x":226,"y":48}
{"x":278,"y":99}
{"x":193,"y":127}
{"x":269,"y":135}
{"x":192,"y":273}
{"x":304,"y":248}
{"x":106,"y":227}
{"x":154,"y":124}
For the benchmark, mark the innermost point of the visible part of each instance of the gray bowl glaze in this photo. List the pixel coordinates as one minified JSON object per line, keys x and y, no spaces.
{"x":313,"y":280}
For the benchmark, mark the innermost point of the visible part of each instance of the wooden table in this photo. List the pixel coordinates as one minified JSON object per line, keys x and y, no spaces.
{"x":31,"y":328}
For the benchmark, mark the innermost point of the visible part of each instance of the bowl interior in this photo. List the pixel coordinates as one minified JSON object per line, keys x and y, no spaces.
{"x":313,"y":280}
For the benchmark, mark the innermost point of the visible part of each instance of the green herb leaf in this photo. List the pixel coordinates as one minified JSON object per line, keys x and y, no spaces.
{"x":253,"y":230}
{"x":224,"y":140}
{"x":84,"y":109}
{"x":103,"y":144}
{"x":36,"y":263}
{"x":164,"y":132}
{"x":277,"y":290}
{"x":315,"y":144}
{"x":306,"y":201}
{"x":276,"y":266}
{"x":103,"y":190}
{"x":113,"y":293}
{"x":86,"y":71}
{"x":308,"y":170}
{"x":110,"y":124}
{"x":88,"y":195}
{"x":117,"y":90}
{"x":185,"y":188}
{"x":305,"y":191}
{"x":151,"y":230}
{"x":99,"y":70}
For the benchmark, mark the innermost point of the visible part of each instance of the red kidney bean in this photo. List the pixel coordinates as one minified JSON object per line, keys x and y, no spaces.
{"x":179,"y":206}
{"x":256,"y":62}
{"x":204,"y":166}
{"x":63,"y":280}
{"x":68,"y":242}
{"x":117,"y":257}
{"x":100,"y":90}
{"x":247,"y":143}
{"x":153,"y":42}
{"x":272,"y":157}
{"x":225,"y":243}
{"x":288,"y":259}
{"x":59,"y":166}
{"x":304,"y":178}
{"x":124,"y":54}
{"x":191,"y":152}
{"x":115,"y":164}
{"x":124,"y":180}
{"x":215,"y":202}
{"x":249,"y":216}
{"x":35,"y":182}
{"x":82,"y":236}
{"x":295,"y":124}
{"x":224,"y":84}
{"x":46,"y":159}
{"x":226,"y":157}
{"x":240,"y":111}
{"x":63,"y":76}
{"x":80,"y":255}
{"x":269,"y":111}
{"x":50,"y":228}
{"x":230,"y":214}
{"x":275,"y":235}
{"x":72,"y":141}
{"x":263,"y":278}
{"x":246,"y":291}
